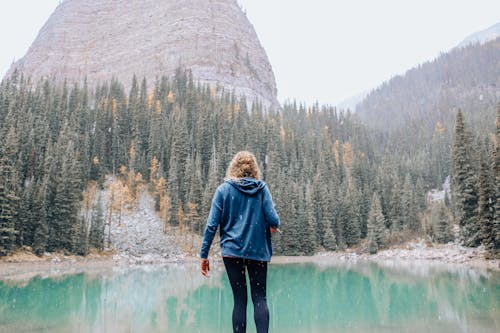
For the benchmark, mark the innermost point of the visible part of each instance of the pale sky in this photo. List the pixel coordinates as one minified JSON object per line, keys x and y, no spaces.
{"x":320,"y":50}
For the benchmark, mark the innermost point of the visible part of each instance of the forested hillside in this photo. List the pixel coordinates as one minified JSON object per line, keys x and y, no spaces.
{"x":467,"y":78}
{"x":319,"y":164}
{"x":438,"y":119}
{"x":415,"y":113}
{"x":476,"y":186}
{"x":334,"y":184}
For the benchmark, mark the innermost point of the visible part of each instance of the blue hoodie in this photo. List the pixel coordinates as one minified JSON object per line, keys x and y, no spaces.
{"x":245,"y":211}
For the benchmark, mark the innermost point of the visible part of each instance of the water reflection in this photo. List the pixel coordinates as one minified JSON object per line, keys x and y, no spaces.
{"x":302,"y":298}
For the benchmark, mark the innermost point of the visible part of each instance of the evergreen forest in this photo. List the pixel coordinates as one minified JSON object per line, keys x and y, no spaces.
{"x":337,"y":182}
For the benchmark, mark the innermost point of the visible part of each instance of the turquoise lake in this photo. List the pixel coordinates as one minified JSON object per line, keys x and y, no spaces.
{"x":360,"y":297}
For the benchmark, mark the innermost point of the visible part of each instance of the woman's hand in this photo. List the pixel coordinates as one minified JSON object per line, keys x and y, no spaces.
{"x":205,"y":267}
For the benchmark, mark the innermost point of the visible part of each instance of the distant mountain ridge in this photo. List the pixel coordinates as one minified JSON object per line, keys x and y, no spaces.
{"x":482,"y":36}
{"x":351,"y":102}
{"x":465,"y":78}
{"x":104,"y":39}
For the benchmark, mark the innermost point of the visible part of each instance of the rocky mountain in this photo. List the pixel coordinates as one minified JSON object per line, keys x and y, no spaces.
{"x":104,"y":39}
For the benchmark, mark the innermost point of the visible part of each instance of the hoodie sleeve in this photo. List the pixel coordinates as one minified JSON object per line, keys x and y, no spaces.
{"x":270,"y":213}
{"x":213,"y":222}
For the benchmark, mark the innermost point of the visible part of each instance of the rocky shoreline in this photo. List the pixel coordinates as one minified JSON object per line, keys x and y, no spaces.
{"x":24,"y":265}
{"x":416,"y":251}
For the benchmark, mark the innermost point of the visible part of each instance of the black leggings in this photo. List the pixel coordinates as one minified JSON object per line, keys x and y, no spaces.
{"x":257,"y":272}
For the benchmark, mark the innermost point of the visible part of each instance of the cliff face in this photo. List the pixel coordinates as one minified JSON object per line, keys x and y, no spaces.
{"x":101,"y":39}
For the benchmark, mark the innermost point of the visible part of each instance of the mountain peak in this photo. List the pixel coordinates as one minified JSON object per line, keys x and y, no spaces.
{"x":104,"y":39}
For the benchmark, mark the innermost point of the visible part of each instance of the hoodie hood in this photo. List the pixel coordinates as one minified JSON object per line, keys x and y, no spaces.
{"x":247,"y":185}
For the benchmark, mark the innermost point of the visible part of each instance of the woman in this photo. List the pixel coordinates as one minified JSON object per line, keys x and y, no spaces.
{"x":244,"y":209}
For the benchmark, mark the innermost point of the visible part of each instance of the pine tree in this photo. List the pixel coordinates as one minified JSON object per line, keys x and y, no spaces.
{"x":196,"y":188}
{"x":371,"y":242}
{"x":295,"y":231}
{"x":210,"y":188}
{"x":205,"y":139}
{"x":194,"y":197}
{"x":9,"y":198}
{"x":67,"y":200}
{"x":361,"y":178}
{"x":41,"y":235}
{"x":352,"y":223}
{"x":444,"y":233}
{"x":464,"y":186}
{"x":486,"y":199}
{"x":339,"y":216}
{"x":8,"y":209}
{"x":376,"y":223}
{"x":329,"y":241}
{"x":419,"y":195}
{"x":173,"y":187}
{"x":495,"y":252}
{"x":181,"y":149}
{"x":26,"y":216}
{"x":51,"y":167}
{"x":80,"y":239}
{"x":323,"y":196}
{"x":386,"y":178}
{"x":398,"y":207}
{"x":192,"y":219}
{"x":409,"y":215}
{"x":96,"y":235}
{"x":310,"y":242}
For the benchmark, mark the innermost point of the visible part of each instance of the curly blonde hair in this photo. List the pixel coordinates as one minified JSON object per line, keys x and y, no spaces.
{"x":244,"y":164}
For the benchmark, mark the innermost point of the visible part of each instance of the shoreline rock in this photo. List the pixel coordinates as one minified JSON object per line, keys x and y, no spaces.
{"x":24,"y":265}
{"x":416,"y":251}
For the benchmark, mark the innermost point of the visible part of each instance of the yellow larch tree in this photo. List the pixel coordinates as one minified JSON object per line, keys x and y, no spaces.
{"x":153,"y":171}
{"x":170,"y":97}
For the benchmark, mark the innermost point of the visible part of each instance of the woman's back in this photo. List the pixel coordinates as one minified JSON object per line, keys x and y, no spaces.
{"x":245,"y":211}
